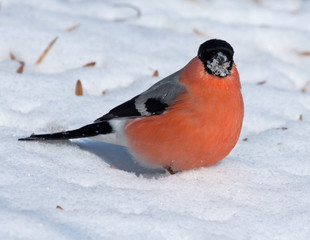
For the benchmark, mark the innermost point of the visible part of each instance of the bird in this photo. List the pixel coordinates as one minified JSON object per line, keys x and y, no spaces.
{"x":190,"y":119}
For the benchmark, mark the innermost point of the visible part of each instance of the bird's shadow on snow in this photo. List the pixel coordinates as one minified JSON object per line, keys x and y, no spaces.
{"x":118,"y":157}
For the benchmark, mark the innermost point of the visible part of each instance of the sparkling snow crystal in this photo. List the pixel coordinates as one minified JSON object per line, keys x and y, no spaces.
{"x":219,"y":66}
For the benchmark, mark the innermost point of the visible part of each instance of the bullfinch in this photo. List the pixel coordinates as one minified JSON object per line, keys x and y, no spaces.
{"x":187,"y":120}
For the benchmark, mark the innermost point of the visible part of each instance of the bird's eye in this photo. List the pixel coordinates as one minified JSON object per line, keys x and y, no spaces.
{"x":217,"y":57}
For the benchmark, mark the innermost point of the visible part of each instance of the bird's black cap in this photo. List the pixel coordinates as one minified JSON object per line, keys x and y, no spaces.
{"x":217,"y":57}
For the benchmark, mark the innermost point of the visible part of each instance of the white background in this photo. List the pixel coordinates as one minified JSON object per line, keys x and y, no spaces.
{"x":260,"y":191}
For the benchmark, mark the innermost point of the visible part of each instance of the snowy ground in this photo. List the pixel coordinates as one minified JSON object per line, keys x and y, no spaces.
{"x":260,"y":191}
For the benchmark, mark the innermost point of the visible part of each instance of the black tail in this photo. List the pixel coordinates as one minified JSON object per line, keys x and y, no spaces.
{"x":90,"y":130}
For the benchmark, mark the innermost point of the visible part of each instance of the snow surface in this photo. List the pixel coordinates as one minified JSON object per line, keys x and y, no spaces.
{"x":260,"y":191}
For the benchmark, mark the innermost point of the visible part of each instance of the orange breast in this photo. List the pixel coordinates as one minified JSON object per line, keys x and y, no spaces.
{"x":199,"y":129}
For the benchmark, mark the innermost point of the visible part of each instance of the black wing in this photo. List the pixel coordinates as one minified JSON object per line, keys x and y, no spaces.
{"x":129,"y":109}
{"x":153,"y":101}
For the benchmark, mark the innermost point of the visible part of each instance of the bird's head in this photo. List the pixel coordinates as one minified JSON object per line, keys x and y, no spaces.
{"x":217,"y":57}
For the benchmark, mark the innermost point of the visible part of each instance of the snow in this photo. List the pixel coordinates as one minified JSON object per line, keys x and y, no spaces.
{"x":260,"y":191}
